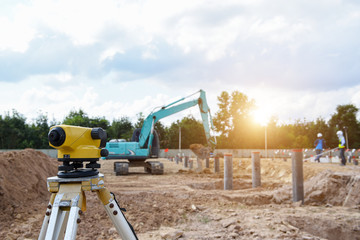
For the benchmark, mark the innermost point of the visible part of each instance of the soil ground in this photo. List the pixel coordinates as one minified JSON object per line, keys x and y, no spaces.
{"x":184,"y":204}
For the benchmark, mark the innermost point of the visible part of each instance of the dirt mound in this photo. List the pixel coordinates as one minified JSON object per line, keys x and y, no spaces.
{"x":327,"y":187}
{"x":23,"y":177}
{"x":335,"y":188}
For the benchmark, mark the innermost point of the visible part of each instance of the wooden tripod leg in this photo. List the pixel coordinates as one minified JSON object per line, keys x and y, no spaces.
{"x":117,"y":217}
{"x":47,"y":217}
{"x":65,"y":212}
{"x":72,"y":224}
{"x":56,"y":220}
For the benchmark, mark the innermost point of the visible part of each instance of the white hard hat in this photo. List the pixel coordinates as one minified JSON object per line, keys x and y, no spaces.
{"x":319,"y":135}
{"x":339,"y":133}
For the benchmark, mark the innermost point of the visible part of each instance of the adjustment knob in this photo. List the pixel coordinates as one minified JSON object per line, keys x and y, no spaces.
{"x":98,"y":133}
{"x":104,"y":152}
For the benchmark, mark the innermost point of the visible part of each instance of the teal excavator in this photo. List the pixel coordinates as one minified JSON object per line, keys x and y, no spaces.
{"x":145,"y":142}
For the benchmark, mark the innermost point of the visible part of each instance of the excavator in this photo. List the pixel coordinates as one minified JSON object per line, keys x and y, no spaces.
{"x":145,"y":143}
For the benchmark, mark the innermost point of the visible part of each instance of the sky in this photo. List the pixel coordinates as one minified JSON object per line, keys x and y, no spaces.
{"x":297,"y":59}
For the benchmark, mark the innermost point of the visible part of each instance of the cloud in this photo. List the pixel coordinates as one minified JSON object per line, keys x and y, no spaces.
{"x":304,"y":104}
{"x":113,"y":55}
{"x":253,"y":41}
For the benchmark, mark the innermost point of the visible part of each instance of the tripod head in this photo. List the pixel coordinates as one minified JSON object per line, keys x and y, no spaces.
{"x":75,"y":146}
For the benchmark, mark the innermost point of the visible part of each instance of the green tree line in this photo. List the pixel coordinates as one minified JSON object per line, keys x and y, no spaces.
{"x":234,"y":126}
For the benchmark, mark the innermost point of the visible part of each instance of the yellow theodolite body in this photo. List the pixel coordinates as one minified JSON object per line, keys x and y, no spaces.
{"x":73,"y":142}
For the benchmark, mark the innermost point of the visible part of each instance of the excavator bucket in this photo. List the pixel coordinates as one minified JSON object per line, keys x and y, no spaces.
{"x":200,"y":151}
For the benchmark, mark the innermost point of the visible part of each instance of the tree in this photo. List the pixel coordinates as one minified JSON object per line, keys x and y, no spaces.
{"x":80,"y":118}
{"x":222,"y":119}
{"x":13,"y":131}
{"x":345,"y":116}
{"x":273,"y":133}
{"x":77,"y":118}
{"x":192,"y":131}
{"x":318,"y":126}
{"x":37,"y":136}
{"x":233,"y":120}
{"x":301,"y":141}
{"x":121,"y":129}
{"x":140,"y":120}
{"x":99,"y":122}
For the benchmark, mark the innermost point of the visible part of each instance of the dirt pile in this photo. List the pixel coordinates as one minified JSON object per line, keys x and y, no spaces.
{"x":327,"y":187}
{"x":23,"y":177}
{"x":324,"y":188}
{"x":200,"y":151}
{"x":335,"y":188}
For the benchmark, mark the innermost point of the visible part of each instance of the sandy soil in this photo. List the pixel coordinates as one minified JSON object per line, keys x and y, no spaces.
{"x":183,"y":204}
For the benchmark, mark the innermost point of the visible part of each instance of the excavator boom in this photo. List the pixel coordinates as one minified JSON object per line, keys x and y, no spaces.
{"x":170,"y":109}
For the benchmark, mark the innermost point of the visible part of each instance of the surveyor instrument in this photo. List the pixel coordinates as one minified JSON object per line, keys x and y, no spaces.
{"x":79,"y":149}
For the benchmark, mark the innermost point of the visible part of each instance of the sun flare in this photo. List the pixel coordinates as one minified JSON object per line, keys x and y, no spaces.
{"x":261,"y":116}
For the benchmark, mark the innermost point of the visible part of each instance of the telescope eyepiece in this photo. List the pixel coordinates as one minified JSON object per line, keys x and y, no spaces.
{"x":57,"y":136}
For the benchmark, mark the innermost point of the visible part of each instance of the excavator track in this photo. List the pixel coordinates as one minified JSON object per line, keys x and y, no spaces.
{"x":154,"y":167}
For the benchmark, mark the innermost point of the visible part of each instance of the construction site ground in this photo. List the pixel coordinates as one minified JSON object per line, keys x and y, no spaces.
{"x":186,"y":204}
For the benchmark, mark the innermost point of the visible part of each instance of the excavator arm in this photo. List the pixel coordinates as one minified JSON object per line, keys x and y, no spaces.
{"x":149,"y":123}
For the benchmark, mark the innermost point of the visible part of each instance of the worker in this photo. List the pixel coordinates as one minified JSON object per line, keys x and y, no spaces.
{"x":319,"y":144}
{"x":341,"y":147}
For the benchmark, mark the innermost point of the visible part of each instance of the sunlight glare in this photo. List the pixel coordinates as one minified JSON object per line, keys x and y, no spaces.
{"x":261,"y":116}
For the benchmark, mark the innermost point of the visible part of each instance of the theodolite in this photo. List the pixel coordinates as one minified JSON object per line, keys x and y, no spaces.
{"x":78,"y":146}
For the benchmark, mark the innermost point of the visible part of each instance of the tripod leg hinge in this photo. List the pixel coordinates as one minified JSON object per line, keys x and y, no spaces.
{"x":105,"y":196}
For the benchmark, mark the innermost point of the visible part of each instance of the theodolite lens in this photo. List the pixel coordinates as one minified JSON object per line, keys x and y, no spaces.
{"x":57,"y":136}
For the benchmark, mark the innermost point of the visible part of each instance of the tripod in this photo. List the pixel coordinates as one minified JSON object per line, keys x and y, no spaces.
{"x":68,"y":201}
